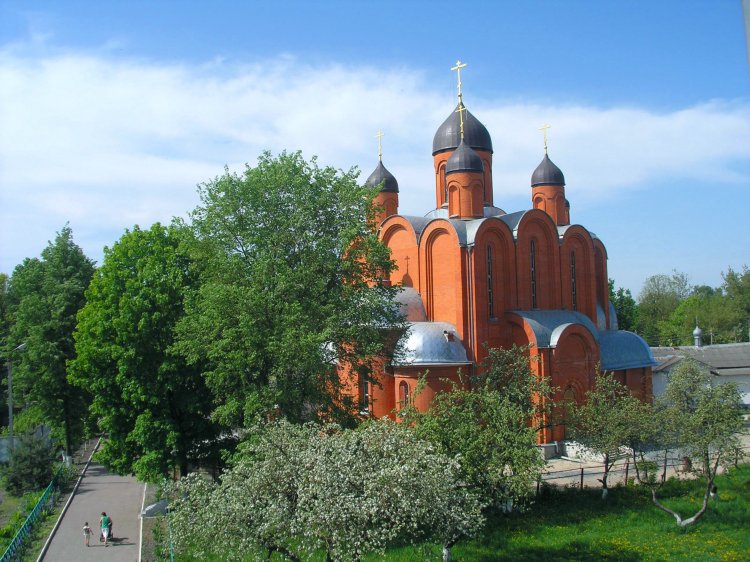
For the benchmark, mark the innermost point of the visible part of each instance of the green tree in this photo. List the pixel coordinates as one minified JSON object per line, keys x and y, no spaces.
{"x":625,"y":307}
{"x":736,"y":287}
{"x":31,"y":465}
{"x":153,"y":406}
{"x":492,"y":426}
{"x":660,"y":296}
{"x":710,"y":309}
{"x":290,"y":263}
{"x":701,"y":421}
{"x":609,"y":420}
{"x":4,"y":314}
{"x":45,"y":296}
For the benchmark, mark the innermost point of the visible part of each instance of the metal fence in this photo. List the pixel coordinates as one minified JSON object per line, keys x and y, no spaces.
{"x":44,"y":505}
{"x":589,"y":474}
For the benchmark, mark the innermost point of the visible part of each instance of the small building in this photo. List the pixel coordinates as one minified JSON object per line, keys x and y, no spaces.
{"x":727,"y":362}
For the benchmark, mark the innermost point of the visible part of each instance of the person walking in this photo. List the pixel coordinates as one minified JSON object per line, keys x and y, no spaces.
{"x":104,"y":522}
{"x":86,"y":533}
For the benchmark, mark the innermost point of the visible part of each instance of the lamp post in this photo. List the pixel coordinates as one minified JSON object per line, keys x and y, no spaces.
{"x":10,"y":393}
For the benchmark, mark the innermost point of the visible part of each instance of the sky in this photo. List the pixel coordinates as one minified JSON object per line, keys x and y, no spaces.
{"x":111,"y":113}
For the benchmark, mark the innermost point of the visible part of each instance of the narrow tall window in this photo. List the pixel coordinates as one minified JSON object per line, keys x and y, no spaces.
{"x":364,"y":394}
{"x":573,"y":279}
{"x":404,"y":394}
{"x":533,"y":274}
{"x":490,"y":284}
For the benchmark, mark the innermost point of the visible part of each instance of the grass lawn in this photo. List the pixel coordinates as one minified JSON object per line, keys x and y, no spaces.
{"x":572,"y":525}
{"x":569,"y":524}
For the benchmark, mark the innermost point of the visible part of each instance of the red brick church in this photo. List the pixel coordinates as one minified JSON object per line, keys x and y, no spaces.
{"x":475,"y":275}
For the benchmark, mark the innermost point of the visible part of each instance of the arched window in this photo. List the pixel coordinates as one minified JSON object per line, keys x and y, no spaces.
{"x":573,"y":279}
{"x":533,"y":273}
{"x":403,"y":394}
{"x":490,"y":284}
{"x":441,"y":175}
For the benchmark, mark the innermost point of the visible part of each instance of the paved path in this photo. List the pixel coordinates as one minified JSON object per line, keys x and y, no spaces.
{"x":120,"y":497}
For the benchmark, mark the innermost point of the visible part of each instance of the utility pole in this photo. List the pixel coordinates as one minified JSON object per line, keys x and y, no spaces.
{"x":10,"y":393}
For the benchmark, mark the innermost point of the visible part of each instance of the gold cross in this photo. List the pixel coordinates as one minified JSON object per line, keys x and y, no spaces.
{"x":380,"y":145}
{"x":460,"y":112}
{"x":544,"y":128}
{"x":457,"y":68}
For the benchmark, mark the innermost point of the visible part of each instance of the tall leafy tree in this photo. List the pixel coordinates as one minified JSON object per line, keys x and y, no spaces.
{"x":736,"y":287}
{"x":625,"y":307}
{"x":45,"y":296}
{"x":660,"y":296}
{"x":492,"y":426}
{"x":609,"y":420}
{"x":153,"y":406}
{"x":290,"y":266}
{"x":701,"y":421}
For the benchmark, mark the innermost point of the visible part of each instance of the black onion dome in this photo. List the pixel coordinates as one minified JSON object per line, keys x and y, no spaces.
{"x":381,"y":174}
{"x":547,"y":173}
{"x":448,"y":135}
{"x":464,"y":159}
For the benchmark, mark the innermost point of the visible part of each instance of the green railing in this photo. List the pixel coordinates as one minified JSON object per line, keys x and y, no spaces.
{"x":15,"y":548}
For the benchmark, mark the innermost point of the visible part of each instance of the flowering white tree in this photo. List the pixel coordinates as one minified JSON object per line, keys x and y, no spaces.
{"x":302,"y":489}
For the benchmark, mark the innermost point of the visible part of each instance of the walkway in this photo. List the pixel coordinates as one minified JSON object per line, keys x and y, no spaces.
{"x":121,"y":497}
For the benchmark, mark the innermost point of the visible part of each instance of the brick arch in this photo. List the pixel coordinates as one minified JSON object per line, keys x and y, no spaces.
{"x":537,"y":226}
{"x":577,"y":239}
{"x":539,"y":203}
{"x":487,"y":162}
{"x":496,"y":234}
{"x":399,"y":236}
{"x":441,"y":272}
{"x":453,"y":189}
{"x":601,"y":280}
{"x":441,"y":187}
{"x":574,"y":361}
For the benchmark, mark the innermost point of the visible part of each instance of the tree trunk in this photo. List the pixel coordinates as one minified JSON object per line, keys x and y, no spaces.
{"x":447,"y":554}
{"x":604,"y":479}
{"x":710,"y":476}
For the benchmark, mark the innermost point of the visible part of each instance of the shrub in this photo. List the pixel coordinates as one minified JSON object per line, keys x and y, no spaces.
{"x":31,"y":465}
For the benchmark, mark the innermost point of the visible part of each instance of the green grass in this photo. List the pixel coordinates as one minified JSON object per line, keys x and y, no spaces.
{"x":569,"y":524}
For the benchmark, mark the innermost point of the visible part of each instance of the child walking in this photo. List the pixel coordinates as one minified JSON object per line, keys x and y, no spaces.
{"x":86,"y":533}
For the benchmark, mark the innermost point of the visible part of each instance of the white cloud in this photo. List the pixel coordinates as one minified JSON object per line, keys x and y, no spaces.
{"x":104,"y":142}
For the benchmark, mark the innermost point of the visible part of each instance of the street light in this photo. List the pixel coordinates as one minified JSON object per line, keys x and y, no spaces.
{"x":10,"y":392}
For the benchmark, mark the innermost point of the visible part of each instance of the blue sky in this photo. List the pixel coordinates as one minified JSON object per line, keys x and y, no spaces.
{"x":112,"y":112}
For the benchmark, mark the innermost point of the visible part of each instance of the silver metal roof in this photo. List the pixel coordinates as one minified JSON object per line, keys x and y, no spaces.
{"x":722,"y":359}
{"x":623,"y":350}
{"x":549,"y":324}
{"x":431,"y":343}
{"x":442,"y":213}
{"x":411,"y":303}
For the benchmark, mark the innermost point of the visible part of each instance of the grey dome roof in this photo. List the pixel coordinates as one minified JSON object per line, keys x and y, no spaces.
{"x":547,"y":173}
{"x":431,"y":343}
{"x":464,"y":159}
{"x":448,"y":135}
{"x":411,"y":304}
{"x":381,"y":174}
